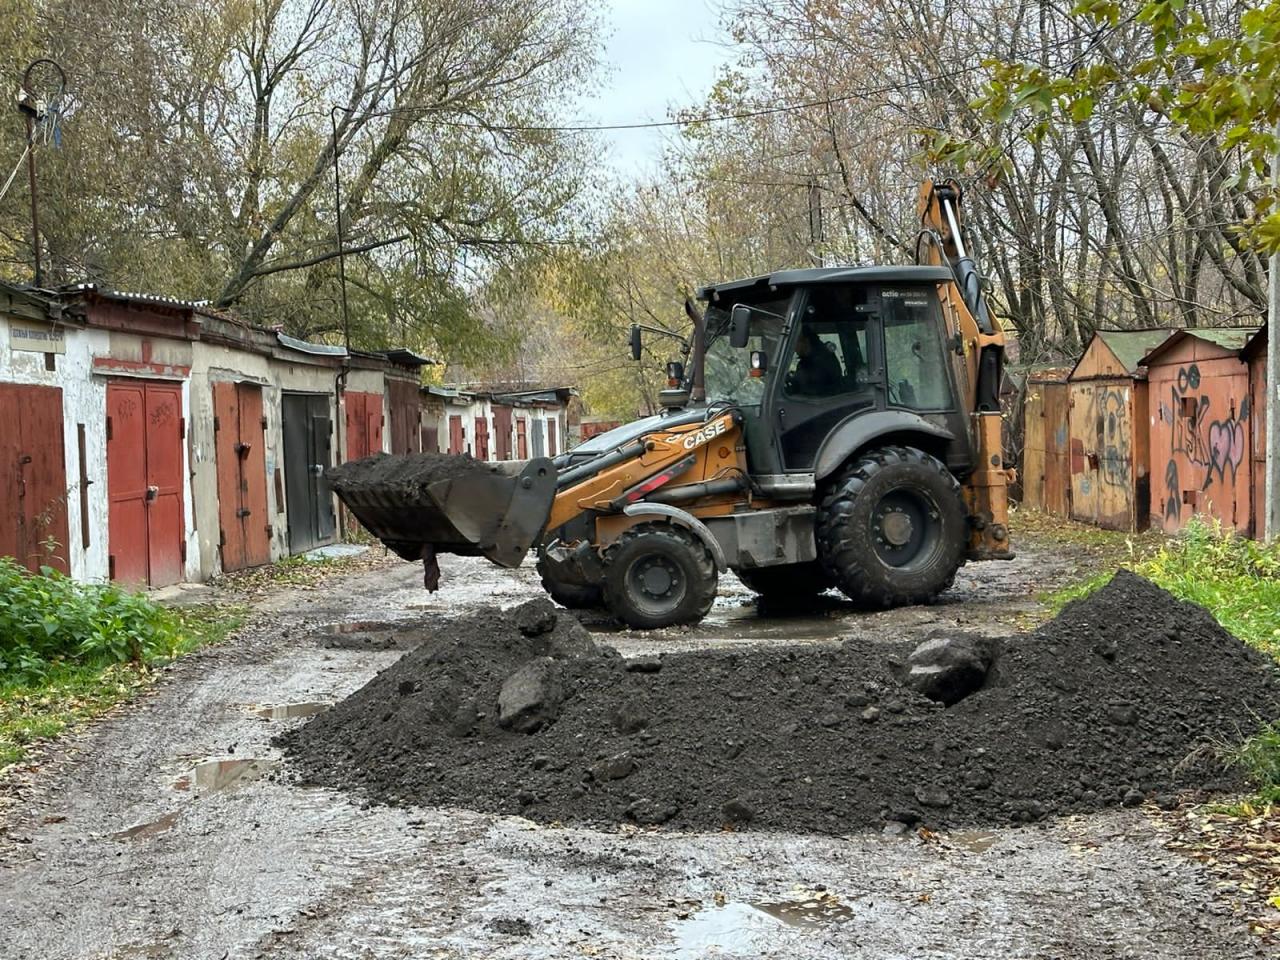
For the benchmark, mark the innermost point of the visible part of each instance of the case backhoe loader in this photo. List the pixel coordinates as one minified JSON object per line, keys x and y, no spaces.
{"x":837,"y":427}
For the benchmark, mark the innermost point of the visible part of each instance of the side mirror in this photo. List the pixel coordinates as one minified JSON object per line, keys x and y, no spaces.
{"x":759,"y":363}
{"x":635,"y":341}
{"x":675,"y":373}
{"x":739,"y":326}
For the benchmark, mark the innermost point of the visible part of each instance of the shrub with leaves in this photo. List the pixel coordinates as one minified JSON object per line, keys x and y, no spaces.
{"x":48,"y":618}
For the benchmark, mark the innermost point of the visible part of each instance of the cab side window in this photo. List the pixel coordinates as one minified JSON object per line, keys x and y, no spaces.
{"x":915,"y":367}
{"x":830,"y":354}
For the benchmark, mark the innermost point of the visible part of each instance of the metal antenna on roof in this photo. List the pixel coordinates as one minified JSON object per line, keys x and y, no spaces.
{"x":39,"y":100}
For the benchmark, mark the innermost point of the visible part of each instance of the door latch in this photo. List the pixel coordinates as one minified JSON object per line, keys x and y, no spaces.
{"x":152,"y":493}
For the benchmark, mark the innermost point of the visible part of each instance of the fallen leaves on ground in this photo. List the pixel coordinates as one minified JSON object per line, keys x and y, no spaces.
{"x":1240,"y":847}
{"x":299,"y":572}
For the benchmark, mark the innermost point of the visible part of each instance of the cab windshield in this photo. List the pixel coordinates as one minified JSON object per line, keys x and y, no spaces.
{"x":728,"y":368}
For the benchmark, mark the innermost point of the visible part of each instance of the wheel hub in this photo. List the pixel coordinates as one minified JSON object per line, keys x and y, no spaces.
{"x":656,"y":578}
{"x":896,"y":527}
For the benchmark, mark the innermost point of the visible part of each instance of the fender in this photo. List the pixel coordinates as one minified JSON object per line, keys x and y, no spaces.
{"x":860,"y":429}
{"x":682,"y":518}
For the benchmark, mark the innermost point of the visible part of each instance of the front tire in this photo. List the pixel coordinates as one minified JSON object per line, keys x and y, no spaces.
{"x":659,"y":575}
{"x":573,"y":596}
{"x":892,"y":530}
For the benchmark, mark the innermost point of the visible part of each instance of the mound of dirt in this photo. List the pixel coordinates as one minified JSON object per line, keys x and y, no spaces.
{"x":1128,"y":694}
{"x":403,"y":471}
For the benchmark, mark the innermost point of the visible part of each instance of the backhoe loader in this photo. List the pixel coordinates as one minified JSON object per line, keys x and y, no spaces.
{"x":836,"y":427}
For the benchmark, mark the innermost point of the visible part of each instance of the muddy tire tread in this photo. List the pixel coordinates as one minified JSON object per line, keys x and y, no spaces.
{"x":843,"y":550}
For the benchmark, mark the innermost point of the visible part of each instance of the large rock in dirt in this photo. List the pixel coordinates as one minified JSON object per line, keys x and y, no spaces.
{"x":536,"y":617}
{"x":530,"y":698}
{"x":946,"y":669}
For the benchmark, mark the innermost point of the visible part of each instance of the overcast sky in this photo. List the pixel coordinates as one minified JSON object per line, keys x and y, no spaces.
{"x":659,"y":54}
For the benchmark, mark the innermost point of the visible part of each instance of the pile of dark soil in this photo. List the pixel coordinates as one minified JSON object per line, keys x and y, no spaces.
{"x":1129,"y":694}
{"x":403,"y":471}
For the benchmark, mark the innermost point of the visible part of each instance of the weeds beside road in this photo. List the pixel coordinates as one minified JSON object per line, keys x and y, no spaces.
{"x":70,"y":652}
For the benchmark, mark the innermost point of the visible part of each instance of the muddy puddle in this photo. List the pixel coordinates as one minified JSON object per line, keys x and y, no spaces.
{"x":148,"y":828}
{"x":744,"y":929}
{"x":287,"y":711}
{"x":370,"y":635}
{"x":223,"y":773}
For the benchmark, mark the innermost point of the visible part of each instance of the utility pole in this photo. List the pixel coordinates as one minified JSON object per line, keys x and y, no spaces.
{"x":1271,"y":509}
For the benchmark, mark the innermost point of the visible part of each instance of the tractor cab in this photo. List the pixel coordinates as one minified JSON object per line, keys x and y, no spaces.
{"x":817,"y":359}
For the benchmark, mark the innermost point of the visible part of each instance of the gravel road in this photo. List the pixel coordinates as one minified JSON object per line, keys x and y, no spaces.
{"x":167,"y":829}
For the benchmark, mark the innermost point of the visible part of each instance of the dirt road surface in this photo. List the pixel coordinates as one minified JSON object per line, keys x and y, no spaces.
{"x":169,"y":829}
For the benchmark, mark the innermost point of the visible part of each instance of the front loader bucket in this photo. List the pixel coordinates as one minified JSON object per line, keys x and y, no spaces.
{"x":453,"y":504}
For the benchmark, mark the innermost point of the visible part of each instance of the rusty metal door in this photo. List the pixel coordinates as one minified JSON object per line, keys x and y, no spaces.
{"x":364,"y":424}
{"x":482,"y":438}
{"x":145,"y":528}
{"x":501,"y":432}
{"x":456,"y":441}
{"x":33,"y":485}
{"x":522,"y":438}
{"x":431,"y":439}
{"x":308,"y":450}
{"x":244,"y":529}
{"x":404,"y":403}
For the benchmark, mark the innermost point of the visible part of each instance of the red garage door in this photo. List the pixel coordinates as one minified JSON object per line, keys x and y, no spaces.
{"x":33,"y":477}
{"x":239,"y":427}
{"x":364,"y":424}
{"x":144,"y":481}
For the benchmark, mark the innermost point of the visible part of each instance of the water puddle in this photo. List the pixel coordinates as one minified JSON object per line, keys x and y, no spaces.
{"x":359,"y":626}
{"x":735,"y":928}
{"x":820,"y":910}
{"x":286,"y":711}
{"x":744,"y":929}
{"x":975,"y":841}
{"x":214,"y":775}
{"x":148,"y":829}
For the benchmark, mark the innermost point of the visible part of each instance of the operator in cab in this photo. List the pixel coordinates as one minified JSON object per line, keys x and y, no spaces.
{"x":817,"y":371}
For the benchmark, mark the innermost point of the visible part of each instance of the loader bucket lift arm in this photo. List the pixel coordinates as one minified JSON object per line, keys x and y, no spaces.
{"x":978,"y":335}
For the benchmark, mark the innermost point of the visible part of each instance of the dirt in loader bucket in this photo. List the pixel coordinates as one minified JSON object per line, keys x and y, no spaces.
{"x":424,"y":504}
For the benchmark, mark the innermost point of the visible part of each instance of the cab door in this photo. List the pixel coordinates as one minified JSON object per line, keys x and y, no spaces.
{"x":829,"y":370}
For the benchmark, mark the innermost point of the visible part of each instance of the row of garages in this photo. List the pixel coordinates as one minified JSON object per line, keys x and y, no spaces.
{"x":150,"y":441}
{"x":1151,"y":428}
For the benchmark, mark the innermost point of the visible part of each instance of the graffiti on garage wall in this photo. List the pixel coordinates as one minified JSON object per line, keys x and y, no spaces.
{"x":1216,"y":445}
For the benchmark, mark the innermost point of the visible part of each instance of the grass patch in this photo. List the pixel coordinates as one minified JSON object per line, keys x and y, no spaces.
{"x":39,"y":704}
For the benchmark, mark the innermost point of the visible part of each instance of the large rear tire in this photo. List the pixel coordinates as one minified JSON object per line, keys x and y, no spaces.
{"x":574,"y":596}
{"x":891,"y":530}
{"x":787,"y":581}
{"x":659,"y":575}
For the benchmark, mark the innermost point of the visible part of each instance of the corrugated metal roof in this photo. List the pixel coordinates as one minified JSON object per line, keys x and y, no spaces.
{"x":1130,"y":346}
{"x":315,"y":349}
{"x":134,"y":297}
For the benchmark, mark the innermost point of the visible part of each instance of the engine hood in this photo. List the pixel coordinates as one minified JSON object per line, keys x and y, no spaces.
{"x":612,"y":439}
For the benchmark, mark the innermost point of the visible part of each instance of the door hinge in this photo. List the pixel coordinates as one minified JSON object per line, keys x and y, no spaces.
{"x":263,"y":421}
{"x":182,"y":552}
{"x":182,"y":428}
{"x":217,"y":424}
{"x":109,"y":428}
{"x":111,"y":566}
{"x":271,"y":531}
{"x":222,"y":538}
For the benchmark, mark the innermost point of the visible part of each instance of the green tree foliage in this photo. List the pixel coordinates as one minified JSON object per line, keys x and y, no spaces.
{"x":198,"y":151}
{"x":1214,"y":78}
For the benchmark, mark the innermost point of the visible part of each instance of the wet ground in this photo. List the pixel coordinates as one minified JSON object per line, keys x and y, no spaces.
{"x":167,"y":830}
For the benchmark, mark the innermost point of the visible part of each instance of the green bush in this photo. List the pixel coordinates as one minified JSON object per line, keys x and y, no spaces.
{"x":48,"y":618}
{"x":1235,"y":579}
